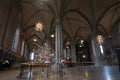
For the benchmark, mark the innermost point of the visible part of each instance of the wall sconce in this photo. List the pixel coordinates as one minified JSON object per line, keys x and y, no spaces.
{"x":84,"y":56}
{"x":67,"y":47}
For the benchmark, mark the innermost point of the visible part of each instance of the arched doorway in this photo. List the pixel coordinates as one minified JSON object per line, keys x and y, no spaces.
{"x":82,"y":52}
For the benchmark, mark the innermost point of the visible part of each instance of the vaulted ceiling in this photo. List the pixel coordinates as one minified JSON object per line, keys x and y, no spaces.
{"x":79,"y":18}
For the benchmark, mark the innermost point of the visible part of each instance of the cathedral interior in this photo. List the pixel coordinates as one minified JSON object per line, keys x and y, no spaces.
{"x":59,"y":37}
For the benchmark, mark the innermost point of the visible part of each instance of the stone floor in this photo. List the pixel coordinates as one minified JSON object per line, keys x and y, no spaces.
{"x":64,"y":73}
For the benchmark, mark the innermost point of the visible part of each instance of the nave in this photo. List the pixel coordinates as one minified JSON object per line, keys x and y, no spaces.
{"x":65,"y":73}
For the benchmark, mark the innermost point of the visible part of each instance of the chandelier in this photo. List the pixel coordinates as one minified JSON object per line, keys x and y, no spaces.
{"x":39,"y":26}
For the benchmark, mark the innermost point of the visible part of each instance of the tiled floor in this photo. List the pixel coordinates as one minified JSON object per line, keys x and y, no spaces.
{"x":69,"y":73}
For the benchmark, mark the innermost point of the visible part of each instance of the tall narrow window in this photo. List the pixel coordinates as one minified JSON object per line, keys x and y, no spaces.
{"x":16,"y":39}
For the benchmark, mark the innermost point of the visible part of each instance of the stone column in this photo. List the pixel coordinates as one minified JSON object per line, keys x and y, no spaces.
{"x":96,"y":52}
{"x":58,"y":42}
{"x":73,"y":53}
{"x":26,"y":56}
{"x":6,"y":26}
{"x":22,"y":48}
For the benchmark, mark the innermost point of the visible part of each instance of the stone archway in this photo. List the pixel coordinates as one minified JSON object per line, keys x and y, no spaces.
{"x":115,"y":32}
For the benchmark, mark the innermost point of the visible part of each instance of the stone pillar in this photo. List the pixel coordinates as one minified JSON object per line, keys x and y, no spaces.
{"x":6,"y":27}
{"x":96,"y":52}
{"x":26,"y":56}
{"x":58,"y":43}
{"x":73,"y":53}
{"x":22,"y":48}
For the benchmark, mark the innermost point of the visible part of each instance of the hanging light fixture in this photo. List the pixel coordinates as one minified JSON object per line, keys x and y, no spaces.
{"x":39,"y":26}
{"x":34,"y":40}
{"x":52,"y":35}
